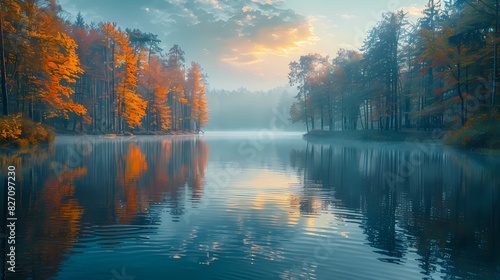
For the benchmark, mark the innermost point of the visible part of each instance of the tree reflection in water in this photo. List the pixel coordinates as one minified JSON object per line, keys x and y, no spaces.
{"x":446,"y":210}
{"x":116,"y":182}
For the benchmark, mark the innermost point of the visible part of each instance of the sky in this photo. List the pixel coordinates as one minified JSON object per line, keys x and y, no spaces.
{"x":246,"y":43}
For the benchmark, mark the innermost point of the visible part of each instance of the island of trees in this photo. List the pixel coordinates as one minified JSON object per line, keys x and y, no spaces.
{"x":439,"y":73}
{"x":90,"y":78}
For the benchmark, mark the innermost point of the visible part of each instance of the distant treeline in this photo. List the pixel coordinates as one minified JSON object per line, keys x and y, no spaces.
{"x":246,"y":110}
{"x":94,"y":77}
{"x":439,"y":73}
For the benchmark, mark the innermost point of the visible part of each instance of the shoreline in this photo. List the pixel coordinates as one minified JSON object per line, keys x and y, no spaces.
{"x":402,"y":136}
{"x":376,"y":135}
{"x":129,"y":134}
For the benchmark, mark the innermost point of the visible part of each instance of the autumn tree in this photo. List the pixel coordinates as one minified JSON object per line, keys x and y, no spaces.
{"x":145,"y":43}
{"x":154,"y":80}
{"x":131,"y":106}
{"x":176,"y":74}
{"x":41,"y":59}
{"x":196,"y":91}
{"x":301,"y":74}
{"x":107,"y":80}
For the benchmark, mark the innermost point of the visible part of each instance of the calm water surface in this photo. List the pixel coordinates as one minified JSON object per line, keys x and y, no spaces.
{"x":253,"y":206}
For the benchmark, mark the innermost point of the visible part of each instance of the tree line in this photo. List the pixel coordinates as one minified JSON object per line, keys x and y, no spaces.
{"x":94,"y":77}
{"x":440,"y":72}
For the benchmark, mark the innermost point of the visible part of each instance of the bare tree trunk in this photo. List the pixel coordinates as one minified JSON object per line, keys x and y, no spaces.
{"x":2,"y":67}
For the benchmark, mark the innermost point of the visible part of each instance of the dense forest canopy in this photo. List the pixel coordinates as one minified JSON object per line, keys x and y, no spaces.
{"x":93,"y":77}
{"x":438,"y":73}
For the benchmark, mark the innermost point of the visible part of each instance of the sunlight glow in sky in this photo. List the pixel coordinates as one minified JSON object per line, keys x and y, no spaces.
{"x":247,"y":43}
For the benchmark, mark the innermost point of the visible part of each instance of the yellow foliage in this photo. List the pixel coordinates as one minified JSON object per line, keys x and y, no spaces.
{"x":130,"y":104}
{"x":196,"y":86}
{"x":23,"y":132}
{"x":157,"y":82}
{"x":10,"y":128}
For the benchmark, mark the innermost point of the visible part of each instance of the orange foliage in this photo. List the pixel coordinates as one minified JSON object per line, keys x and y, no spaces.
{"x":58,"y":63}
{"x":196,"y":88}
{"x":135,"y":166}
{"x":135,"y":163}
{"x":61,"y":220}
{"x":157,"y":83}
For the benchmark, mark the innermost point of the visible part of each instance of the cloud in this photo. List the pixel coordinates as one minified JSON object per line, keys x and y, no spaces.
{"x":414,"y":10}
{"x":347,"y":46}
{"x":239,"y":32}
{"x":236,"y":36}
{"x":246,"y":9}
{"x":242,"y":59}
{"x":346,"y":16}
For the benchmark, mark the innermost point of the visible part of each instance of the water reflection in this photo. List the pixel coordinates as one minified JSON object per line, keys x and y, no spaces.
{"x":443,"y":206}
{"x":69,"y":190}
{"x":167,"y":206}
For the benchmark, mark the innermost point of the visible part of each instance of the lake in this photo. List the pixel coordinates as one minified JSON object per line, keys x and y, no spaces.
{"x":253,"y":206}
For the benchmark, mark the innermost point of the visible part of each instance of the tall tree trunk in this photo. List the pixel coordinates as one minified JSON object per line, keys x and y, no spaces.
{"x":342,"y":111}
{"x":371,"y":114}
{"x":459,"y":92}
{"x":495,"y":64}
{"x":459,"y":86}
{"x":113,"y":94}
{"x":2,"y":67}
{"x":322,"y":119}
{"x":305,"y":109}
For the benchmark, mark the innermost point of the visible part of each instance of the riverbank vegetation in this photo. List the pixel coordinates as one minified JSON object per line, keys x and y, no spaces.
{"x":439,"y":73}
{"x":22,"y":132}
{"x":92,"y":77}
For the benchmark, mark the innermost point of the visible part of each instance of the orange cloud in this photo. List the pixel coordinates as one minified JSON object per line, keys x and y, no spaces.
{"x":243,"y":59}
{"x":247,"y":9}
{"x":281,"y":40}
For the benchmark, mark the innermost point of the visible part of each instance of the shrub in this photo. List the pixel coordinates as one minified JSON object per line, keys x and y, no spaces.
{"x":36,"y":133}
{"x":22,"y":143}
{"x":480,"y":132}
{"x":10,"y":128}
{"x":21,"y":132}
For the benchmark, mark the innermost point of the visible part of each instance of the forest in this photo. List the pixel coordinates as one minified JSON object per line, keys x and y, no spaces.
{"x":91,"y":77}
{"x":437,"y":73}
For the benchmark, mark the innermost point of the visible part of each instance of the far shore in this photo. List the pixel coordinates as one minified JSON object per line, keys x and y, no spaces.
{"x":377,"y":135}
{"x":436,"y":136}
